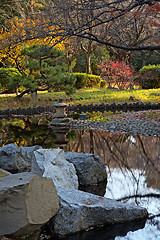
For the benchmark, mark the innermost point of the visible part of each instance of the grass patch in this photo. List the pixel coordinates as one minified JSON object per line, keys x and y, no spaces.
{"x":82,"y":96}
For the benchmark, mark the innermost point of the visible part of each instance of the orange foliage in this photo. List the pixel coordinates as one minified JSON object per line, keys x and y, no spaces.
{"x":18,"y":32}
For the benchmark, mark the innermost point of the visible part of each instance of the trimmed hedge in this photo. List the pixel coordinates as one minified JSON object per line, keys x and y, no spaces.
{"x":88,"y":80}
{"x":150,"y":77}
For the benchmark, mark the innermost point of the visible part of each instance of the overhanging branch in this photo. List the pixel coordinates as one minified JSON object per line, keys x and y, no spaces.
{"x":94,"y":38}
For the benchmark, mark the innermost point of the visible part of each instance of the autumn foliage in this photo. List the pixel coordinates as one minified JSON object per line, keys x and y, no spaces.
{"x":11,"y":55}
{"x":117,"y":74}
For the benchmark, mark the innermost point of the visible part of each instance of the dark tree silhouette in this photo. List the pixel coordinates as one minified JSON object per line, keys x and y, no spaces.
{"x":63,"y":19}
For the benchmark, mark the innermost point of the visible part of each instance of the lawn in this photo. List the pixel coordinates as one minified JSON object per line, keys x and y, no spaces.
{"x":82,"y":96}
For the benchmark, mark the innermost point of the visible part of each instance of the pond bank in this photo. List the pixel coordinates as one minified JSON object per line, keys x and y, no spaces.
{"x":131,"y":123}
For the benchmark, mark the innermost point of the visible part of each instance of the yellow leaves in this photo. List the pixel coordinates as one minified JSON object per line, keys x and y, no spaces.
{"x":18,"y":34}
{"x":30,"y":29}
{"x":21,"y":143}
{"x":13,"y":54}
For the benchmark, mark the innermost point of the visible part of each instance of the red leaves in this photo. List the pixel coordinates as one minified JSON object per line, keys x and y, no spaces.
{"x":101,"y":197}
{"x":154,"y":8}
{"x":89,"y":202}
{"x":137,"y":14}
{"x":118,"y":73}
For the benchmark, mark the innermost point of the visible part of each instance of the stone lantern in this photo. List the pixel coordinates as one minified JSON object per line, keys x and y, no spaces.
{"x":60,"y":123}
{"x":60,"y":109}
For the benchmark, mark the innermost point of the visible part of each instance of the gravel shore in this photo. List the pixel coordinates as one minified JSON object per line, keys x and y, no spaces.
{"x":123,"y":123}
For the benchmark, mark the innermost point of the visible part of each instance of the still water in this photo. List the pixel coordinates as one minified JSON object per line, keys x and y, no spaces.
{"x":132,"y":165}
{"x":123,"y":184}
{"x":133,"y":168}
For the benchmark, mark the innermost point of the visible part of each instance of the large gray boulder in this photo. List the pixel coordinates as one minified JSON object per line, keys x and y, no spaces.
{"x":52,"y":164}
{"x":89,"y":167}
{"x":26,"y":203}
{"x":16,"y":159}
{"x":26,"y":152}
{"x":80,"y":211}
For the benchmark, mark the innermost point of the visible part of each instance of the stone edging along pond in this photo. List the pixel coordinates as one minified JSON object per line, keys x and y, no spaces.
{"x":81,"y":108}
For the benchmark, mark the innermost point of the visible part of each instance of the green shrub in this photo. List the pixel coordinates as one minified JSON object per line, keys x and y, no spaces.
{"x":87,"y":80}
{"x":149,"y":77}
{"x":65,"y":82}
{"x":94,"y":81}
{"x":81,"y":80}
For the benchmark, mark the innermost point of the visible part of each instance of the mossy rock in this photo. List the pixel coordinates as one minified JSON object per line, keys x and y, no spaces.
{"x":4,"y":173}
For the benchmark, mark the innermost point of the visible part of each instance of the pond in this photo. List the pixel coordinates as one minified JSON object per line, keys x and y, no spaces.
{"x":132,"y":165}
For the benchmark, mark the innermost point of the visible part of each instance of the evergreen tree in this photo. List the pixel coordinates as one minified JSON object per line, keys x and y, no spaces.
{"x":44,"y":67}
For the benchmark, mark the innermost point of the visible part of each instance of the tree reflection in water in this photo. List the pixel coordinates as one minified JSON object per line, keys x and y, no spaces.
{"x":132,"y":164}
{"x":26,"y":132}
{"x":133,"y":168}
{"x":122,"y":151}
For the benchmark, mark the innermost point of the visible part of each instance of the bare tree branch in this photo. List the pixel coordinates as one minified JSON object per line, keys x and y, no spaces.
{"x":62,"y":19}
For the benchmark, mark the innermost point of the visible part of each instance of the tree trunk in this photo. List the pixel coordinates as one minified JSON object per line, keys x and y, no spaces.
{"x":88,"y":63}
{"x":16,"y":90}
{"x":34,"y":96}
{"x":143,"y":59}
{"x":69,"y":66}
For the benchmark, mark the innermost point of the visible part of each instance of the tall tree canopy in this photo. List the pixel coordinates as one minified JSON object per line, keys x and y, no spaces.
{"x":103,"y":21}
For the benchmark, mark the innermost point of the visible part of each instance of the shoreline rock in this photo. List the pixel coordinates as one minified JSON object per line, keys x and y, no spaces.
{"x":51,"y":163}
{"x":80,"y":211}
{"x":16,"y":159}
{"x":128,"y":126}
{"x":89,"y":167}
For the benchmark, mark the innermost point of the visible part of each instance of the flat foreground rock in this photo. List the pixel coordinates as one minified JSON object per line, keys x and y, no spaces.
{"x":26,"y":203}
{"x":80,"y":210}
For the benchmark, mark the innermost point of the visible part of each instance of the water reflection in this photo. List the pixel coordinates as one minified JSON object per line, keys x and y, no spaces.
{"x":123,"y":185}
{"x":132,"y":164}
{"x":133,"y":168}
{"x":105,"y":233}
{"x":123,"y":151}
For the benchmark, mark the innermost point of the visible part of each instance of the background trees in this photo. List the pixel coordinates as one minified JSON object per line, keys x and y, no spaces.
{"x":79,"y":27}
{"x":86,"y":19}
{"x":149,"y":77}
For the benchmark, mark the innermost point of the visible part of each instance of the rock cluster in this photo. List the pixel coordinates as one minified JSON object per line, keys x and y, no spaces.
{"x":30,"y":199}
